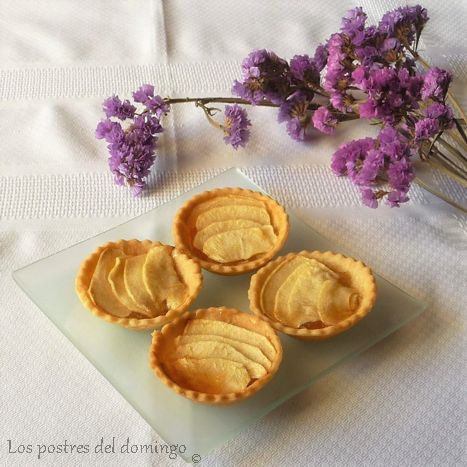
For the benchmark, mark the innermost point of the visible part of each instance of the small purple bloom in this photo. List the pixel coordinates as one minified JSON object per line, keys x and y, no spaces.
{"x":303,"y":69}
{"x":148,"y":125}
{"x":353,"y":23}
{"x":341,"y":101}
{"x":390,"y":44}
{"x":442,"y":113}
{"x":436,"y":84}
{"x":109,"y":130}
{"x":392,"y":144}
{"x":294,"y":111}
{"x":337,"y":73}
{"x":404,"y":23}
{"x":236,"y":125}
{"x":426,"y":128}
{"x":144,"y":93}
{"x":265,"y":76}
{"x":370,"y":168}
{"x":157,"y":106}
{"x":369,"y":198}
{"x":368,"y":109}
{"x":114,"y":107}
{"x":324,"y":121}
{"x":359,"y":75}
{"x":394,"y":198}
{"x":400,"y":174}
{"x":349,"y":153}
{"x":320,"y":57}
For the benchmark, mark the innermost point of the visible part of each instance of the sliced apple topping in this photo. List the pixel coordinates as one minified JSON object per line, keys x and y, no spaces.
{"x":100,"y":290}
{"x":147,"y":284}
{"x":117,"y":282}
{"x":302,"y":291}
{"x":210,"y":375}
{"x":232,"y":228}
{"x":218,"y":357}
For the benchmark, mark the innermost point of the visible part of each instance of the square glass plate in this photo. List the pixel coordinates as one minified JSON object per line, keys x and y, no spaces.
{"x":122,"y":355}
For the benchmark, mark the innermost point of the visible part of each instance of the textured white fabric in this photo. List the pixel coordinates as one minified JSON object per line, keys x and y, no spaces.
{"x":400,"y":403}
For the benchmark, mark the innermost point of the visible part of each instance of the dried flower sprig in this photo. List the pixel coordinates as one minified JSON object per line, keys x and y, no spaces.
{"x":366,"y":72}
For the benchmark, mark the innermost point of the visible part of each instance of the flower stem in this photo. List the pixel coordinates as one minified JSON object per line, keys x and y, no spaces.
{"x":211,"y":120}
{"x":221,"y":100}
{"x":439,"y":194}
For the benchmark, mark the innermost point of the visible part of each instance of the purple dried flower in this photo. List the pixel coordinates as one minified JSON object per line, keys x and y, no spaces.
{"x":114,"y":107}
{"x":400,"y":175}
{"x":391,"y":94}
{"x":155,"y":104}
{"x":265,"y":76}
{"x":369,"y":197}
{"x":426,"y":128}
{"x":236,"y":125}
{"x":353,"y":23}
{"x":144,"y":93}
{"x":436,"y":84}
{"x":359,"y":75}
{"x":337,"y":73}
{"x":364,"y":160}
{"x":294,"y":111}
{"x":404,"y":23}
{"x":441,"y":112}
{"x":109,"y":130}
{"x":392,"y":143}
{"x":131,"y":151}
{"x":324,"y":121}
{"x":370,"y":168}
{"x":341,"y":101}
{"x":395,"y":197}
{"x":320,"y":57}
{"x":349,"y":153}
{"x":304,"y":71}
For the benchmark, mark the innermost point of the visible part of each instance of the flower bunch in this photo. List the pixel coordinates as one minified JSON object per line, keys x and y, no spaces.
{"x":361,"y":72}
{"x":132,"y":136}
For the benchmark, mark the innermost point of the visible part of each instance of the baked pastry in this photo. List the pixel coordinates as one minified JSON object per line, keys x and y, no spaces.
{"x":138,"y":284}
{"x":312,"y":294}
{"x":231,"y":230}
{"x":215,"y":355}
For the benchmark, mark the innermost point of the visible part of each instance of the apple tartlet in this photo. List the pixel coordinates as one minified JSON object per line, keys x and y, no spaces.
{"x":138,"y":284}
{"x":215,"y":355}
{"x":231,"y":230}
{"x":312,"y":295}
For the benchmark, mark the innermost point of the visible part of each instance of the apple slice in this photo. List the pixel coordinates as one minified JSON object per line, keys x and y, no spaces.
{"x":100,"y":290}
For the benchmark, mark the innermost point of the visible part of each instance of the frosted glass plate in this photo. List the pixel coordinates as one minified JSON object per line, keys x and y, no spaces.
{"x":122,"y":355}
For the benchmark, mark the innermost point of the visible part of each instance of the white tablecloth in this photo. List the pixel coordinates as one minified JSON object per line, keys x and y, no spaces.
{"x":400,"y":403}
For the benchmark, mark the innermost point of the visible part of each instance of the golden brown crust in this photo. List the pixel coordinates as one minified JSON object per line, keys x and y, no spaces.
{"x":183,"y":236}
{"x":166,"y":336}
{"x":135,"y":247}
{"x":353,"y":273}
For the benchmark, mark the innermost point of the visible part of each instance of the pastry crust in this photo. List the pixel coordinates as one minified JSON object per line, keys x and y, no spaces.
{"x":163,"y":346}
{"x":191,"y":274}
{"x":353,"y":274}
{"x":184,"y":231}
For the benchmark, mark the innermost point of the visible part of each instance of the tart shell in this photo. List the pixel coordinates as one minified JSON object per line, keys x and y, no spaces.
{"x":183,"y":237}
{"x":229,"y":315}
{"x":135,"y":247}
{"x":354,"y":273}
